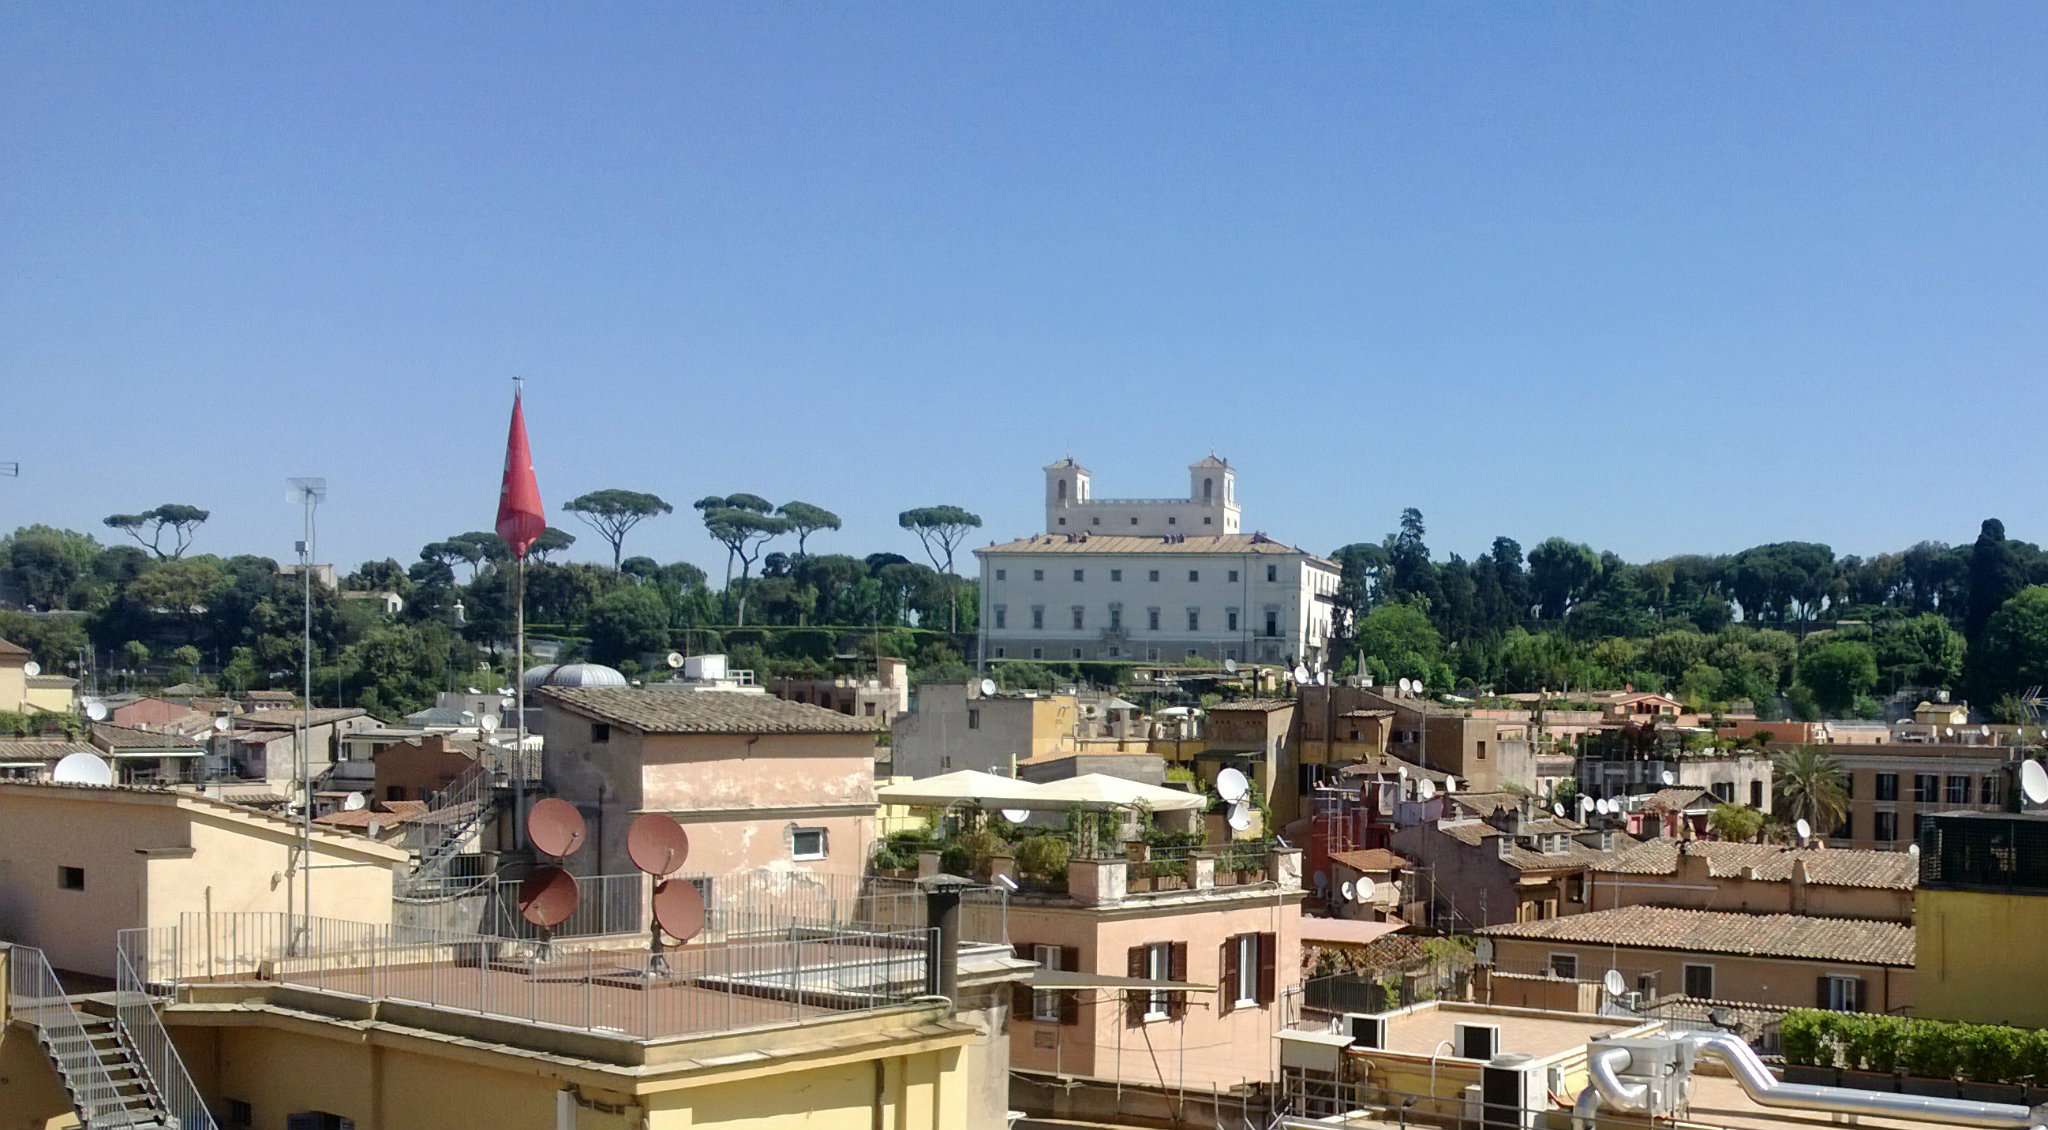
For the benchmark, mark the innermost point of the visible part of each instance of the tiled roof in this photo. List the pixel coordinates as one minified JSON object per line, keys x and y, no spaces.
{"x":658,"y":711}
{"x":1371,"y":859}
{"x":106,"y":735}
{"x":1473,"y":833}
{"x":1719,"y":931}
{"x":389,"y":813}
{"x":1388,"y":765}
{"x":1828,"y":867}
{"x":1265,"y":704}
{"x":1677,"y":799}
{"x":10,"y":648}
{"x":290,"y":719}
{"x":1364,"y":713}
{"x":52,"y":681}
{"x":46,"y":749}
{"x":1233,"y":545}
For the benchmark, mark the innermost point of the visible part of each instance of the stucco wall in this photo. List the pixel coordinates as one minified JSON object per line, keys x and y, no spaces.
{"x":1966,"y":942}
{"x":1759,"y":980}
{"x":13,"y":685}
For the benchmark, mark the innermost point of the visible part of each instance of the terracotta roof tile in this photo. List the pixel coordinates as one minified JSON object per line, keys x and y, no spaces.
{"x":1371,"y":859}
{"x":46,"y":749}
{"x":108,"y":736}
{"x":659,"y":711}
{"x":1726,"y":932}
{"x":1677,"y":799}
{"x":1265,"y":704}
{"x":1828,"y":867}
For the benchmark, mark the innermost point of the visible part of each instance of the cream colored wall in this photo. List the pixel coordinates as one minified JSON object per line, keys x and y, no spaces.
{"x":1203,"y":1048}
{"x":13,"y":685}
{"x":924,"y":1091}
{"x":1761,"y":980}
{"x":1758,"y":897}
{"x":41,"y":831}
{"x":31,"y":1095}
{"x":57,"y":700}
{"x":234,"y":868}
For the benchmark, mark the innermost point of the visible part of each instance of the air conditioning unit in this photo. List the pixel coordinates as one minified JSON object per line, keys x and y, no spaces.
{"x":1475,"y":1041}
{"x":1511,"y":1093}
{"x":1367,"y":1030}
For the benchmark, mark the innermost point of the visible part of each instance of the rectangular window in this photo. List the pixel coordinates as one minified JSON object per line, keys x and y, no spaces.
{"x":1134,"y":519}
{"x":71,"y":878}
{"x":600,"y":731}
{"x":1037,"y":574}
{"x":1272,"y":574}
{"x":1699,"y":981}
{"x":1153,"y":576}
{"x":1194,"y":619}
{"x":1152,"y":619}
{"x":1272,"y":622}
{"x":1841,"y":994}
{"x":1116,"y":617}
{"x":1724,"y":791}
{"x":1079,"y":615}
{"x":807,"y":843}
{"x":1116,"y":574}
{"x":1038,"y":617}
{"x":1080,"y":575}
{"x":1233,"y":576}
{"x":1922,"y":822}
{"x":1564,"y":966}
{"x":1002,"y":616}
{"x":1958,"y":790}
{"x":1756,"y":795}
{"x":1158,"y":967}
{"x":1886,"y":830}
{"x":1926,"y":788}
{"x":1002,"y":574}
{"x":1887,"y":786}
{"x":1038,"y":653}
{"x":1247,"y":987}
{"x":1194,"y":575}
{"x":1045,"y":1006}
{"x":974,"y":718}
{"x":1230,"y":618}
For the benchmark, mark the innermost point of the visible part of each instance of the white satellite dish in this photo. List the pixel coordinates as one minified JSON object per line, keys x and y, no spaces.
{"x":220,"y":724}
{"x":95,"y":710}
{"x":354,"y":802}
{"x":1668,"y":777}
{"x":31,"y":669}
{"x":1240,"y":818}
{"x":1230,"y":665}
{"x":1450,"y":784}
{"x":1802,"y":829}
{"x":504,"y":692}
{"x":1322,"y":678}
{"x":83,"y":769}
{"x":988,"y":688}
{"x":1348,"y":890}
{"x":1300,"y":673}
{"x":1426,"y":790}
{"x":1605,"y":806}
{"x":468,"y":717}
{"x":1484,"y":951}
{"x":471,"y":690}
{"x":1983,"y":731}
{"x":1558,"y":810}
{"x":487,"y":723}
{"x":1585,"y":803}
{"x":1366,"y":888}
{"x":1948,"y":731}
{"x":674,"y":659}
{"x":1402,"y":683}
{"x":1913,"y":850}
{"x":1231,"y":785}
{"x":1016,"y":815}
{"x":1614,"y":983}
{"x":1401,"y":771}
{"x":2033,"y":782}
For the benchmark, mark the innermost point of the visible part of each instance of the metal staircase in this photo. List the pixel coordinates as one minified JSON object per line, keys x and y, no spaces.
{"x":107,"y":1079}
{"x":466,"y":798}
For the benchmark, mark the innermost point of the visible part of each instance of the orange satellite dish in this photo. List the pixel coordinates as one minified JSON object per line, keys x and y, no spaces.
{"x":548,"y":897}
{"x":679,"y":908}
{"x":554,"y":827}
{"x":657,"y":844}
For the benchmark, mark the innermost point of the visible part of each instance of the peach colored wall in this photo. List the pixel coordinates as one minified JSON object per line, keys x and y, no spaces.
{"x":1761,"y":980}
{"x":1202,"y":1048}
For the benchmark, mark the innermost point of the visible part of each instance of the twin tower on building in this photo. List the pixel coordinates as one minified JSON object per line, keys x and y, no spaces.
{"x":1209,"y":509}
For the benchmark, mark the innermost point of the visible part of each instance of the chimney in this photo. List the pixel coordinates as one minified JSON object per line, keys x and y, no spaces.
{"x":942,"y":953}
{"x":1798,"y":885}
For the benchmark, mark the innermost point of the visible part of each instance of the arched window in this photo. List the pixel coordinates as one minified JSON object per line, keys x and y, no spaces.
{"x":1063,"y":490}
{"x":1208,"y":490}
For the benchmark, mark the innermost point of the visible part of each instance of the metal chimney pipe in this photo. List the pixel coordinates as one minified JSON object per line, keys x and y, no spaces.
{"x":942,"y":920}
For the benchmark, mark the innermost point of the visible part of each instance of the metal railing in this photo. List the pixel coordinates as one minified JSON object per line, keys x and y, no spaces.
{"x":154,"y":1053}
{"x":36,"y":996}
{"x":718,"y":986}
{"x":439,"y":840}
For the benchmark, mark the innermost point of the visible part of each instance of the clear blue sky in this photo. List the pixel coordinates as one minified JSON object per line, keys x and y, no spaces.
{"x":1663,"y":278}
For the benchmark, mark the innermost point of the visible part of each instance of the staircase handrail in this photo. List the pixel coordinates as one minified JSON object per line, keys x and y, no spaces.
{"x":155,"y":1055}
{"x":33,"y":988}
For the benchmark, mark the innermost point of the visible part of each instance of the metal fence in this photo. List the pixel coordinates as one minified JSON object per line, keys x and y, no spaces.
{"x":35,"y":996}
{"x":718,"y":986}
{"x":176,"y":1096}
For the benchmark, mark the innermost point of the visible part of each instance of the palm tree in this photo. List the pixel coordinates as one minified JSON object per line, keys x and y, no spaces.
{"x":1811,"y":787}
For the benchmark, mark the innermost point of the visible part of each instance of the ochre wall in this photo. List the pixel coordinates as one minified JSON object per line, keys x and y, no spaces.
{"x":1967,"y":943}
{"x":31,"y":1096}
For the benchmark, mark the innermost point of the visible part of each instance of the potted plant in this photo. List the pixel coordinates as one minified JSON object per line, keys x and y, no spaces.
{"x":1809,"y":1048}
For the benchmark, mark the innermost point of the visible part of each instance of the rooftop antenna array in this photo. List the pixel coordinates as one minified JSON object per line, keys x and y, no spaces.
{"x":657,"y":845}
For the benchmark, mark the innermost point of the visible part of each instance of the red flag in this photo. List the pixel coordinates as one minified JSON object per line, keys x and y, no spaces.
{"x":520,"y":519}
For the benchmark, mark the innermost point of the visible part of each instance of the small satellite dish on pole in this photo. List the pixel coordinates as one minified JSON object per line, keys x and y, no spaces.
{"x":220,"y":724}
{"x":1402,"y":684}
{"x":83,"y":768}
{"x":488,"y":723}
{"x":1585,"y":803}
{"x":1802,"y":829}
{"x":679,"y":909}
{"x":1231,"y":785}
{"x":31,"y":669}
{"x":2033,"y":782}
{"x":548,"y":897}
{"x":657,"y":844}
{"x":674,"y":660}
{"x":1240,"y":818}
{"x":1614,"y":983}
{"x":1300,"y":674}
{"x":1230,"y":666}
{"x":1557,"y":810}
{"x":1322,"y":678}
{"x":354,"y":802}
{"x":1426,"y":790}
{"x":554,"y":827}
{"x":95,"y":710}
{"x":1668,"y":777}
{"x":1450,"y":784}
{"x":1913,"y":850}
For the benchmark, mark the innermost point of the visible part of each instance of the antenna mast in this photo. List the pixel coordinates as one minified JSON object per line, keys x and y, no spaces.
{"x":307,"y":492}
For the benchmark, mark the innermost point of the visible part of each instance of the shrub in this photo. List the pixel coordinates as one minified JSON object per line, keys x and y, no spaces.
{"x":1043,"y":858}
{"x":969,"y":854}
{"x":1937,"y":1049}
{"x":1799,"y":1038}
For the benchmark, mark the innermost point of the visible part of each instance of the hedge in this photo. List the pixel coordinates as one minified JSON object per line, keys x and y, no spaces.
{"x":1936,"y":1049}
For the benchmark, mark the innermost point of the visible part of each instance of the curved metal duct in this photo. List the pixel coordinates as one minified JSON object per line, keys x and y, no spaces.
{"x":1767,"y":1090}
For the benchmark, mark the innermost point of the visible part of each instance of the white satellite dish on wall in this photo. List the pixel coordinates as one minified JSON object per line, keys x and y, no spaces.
{"x":1668,"y":777}
{"x":1402,"y":683}
{"x":1230,"y":666}
{"x":1016,"y":815}
{"x":1240,"y":817}
{"x":1614,"y":983}
{"x":95,"y":710}
{"x":1913,"y":850}
{"x":988,"y":688}
{"x":83,"y":769}
{"x":221,"y":724}
{"x":31,"y":669}
{"x":1585,"y":803}
{"x":1231,"y":785}
{"x":1557,"y":810}
{"x":1348,"y":890}
{"x":1426,"y":790}
{"x":2033,"y":782}
{"x":1802,"y":829}
{"x":674,"y":659}
{"x":354,"y":802}
{"x":1450,"y":784}
{"x":1366,"y":889}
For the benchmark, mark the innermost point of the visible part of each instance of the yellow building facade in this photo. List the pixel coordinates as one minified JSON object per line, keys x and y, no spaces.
{"x":1981,"y":911}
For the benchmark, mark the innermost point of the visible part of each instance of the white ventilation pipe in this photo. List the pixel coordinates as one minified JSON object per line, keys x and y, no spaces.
{"x":1766,"y":1089}
{"x":1603,"y":1068}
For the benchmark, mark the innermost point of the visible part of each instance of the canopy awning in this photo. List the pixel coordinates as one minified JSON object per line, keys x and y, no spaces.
{"x":1100,"y":790}
{"x":1089,"y":790}
{"x":1051,"y":979}
{"x":962,"y":786}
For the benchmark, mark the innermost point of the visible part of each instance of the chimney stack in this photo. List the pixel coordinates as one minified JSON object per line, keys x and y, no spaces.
{"x":942,"y":952}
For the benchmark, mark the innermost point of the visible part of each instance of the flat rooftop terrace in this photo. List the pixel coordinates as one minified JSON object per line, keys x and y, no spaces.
{"x":1421,"y":1030}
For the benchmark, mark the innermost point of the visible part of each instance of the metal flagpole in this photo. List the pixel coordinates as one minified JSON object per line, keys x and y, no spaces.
{"x":519,"y":707}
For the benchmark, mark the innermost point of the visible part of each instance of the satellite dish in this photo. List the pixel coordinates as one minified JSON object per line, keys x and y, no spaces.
{"x":1240,"y":817}
{"x":1300,"y":673}
{"x":488,"y":723}
{"x":1983,"y":731}
{"x":1016,"y":815}
{"x":554,"y":827}
{"x":1402,"y":683}
{"x":1668,"y":777}
{"x":1801,"y":828}
{"x":354,"y":802}
{"x":1426,"y":790}
{"x":1558,"y":810}
{"x":1484,"y":951}
{"x":220,"y":724}
{"x":988,"y":688}
{"x":1585,"y":803}
{"x":504,"y":692}
{"x":1348,"y":890}
{"x":657,"y":844}
{"x":83,"y":769}
{"x":1230,"y":665}
{"x":1322,"y":678}
{"x":1366,"y":889}
{"x":1948,"y":731}
{"x":674,"y":660}
{"x":1913,"y":850}
{"x":95,"y":710}
{"x":548,"y":897}
{"x":468,"y":717}
{"x":1231,"y":785}
{"x":1603,"y":806}
{"x":471,"y":690}
{"x":1614,"y":983}
{"x":1450,"y":784}
{"x":1401,"y":771}
{"x":31,"y":669}
{"x":679,"y":908}
{"x":2033,"y":782}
